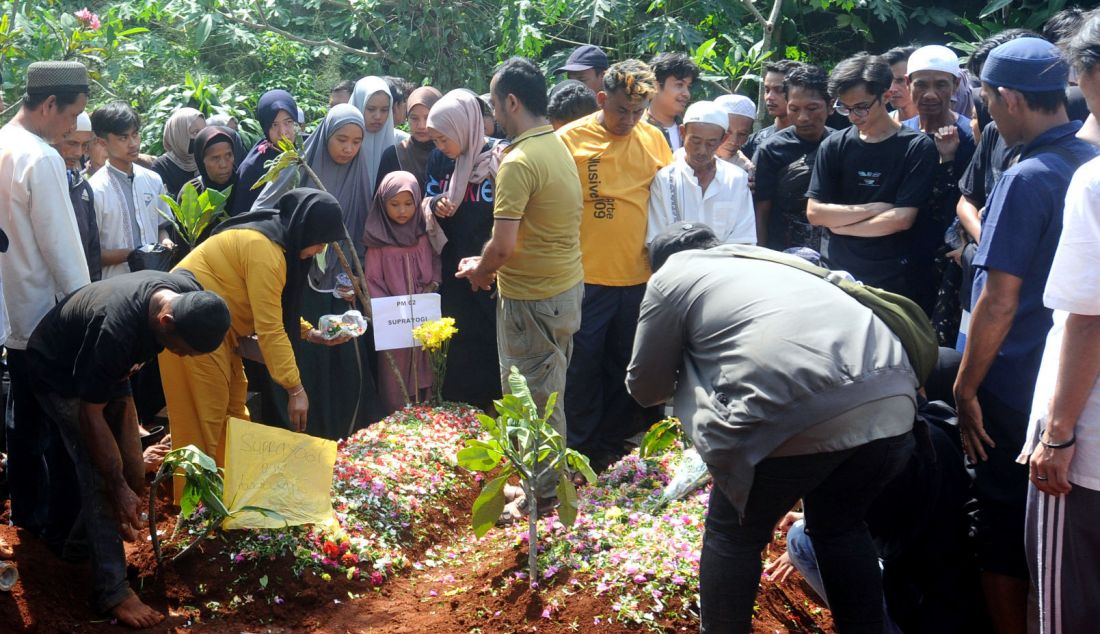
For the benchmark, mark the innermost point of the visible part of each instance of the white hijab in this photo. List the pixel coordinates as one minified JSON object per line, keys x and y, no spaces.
{"x":374,"y":144}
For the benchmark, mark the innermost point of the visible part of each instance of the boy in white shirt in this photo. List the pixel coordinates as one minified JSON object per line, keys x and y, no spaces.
{"x":127,"y":196}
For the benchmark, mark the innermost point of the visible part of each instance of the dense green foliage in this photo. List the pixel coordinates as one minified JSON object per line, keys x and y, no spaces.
{"x":219,"y":55}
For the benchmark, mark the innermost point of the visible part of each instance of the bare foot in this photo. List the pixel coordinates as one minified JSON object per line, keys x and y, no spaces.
{"x":5,"y":550}
{"x":136,"y":614}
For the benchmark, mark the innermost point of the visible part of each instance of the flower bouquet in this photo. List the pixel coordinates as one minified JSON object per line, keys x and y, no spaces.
{"x":434,"y":337}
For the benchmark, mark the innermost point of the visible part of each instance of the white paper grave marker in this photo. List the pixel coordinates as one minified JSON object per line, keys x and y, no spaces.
{"x":395,"y":318}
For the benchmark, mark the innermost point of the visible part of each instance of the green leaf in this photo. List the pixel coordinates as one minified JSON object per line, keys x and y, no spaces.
{"x":213,"y":499}
{"x":993,"y":7}
{"x":517,"y":385}
{"x":194,"y":455}
{"x":659,"y":437}
{"x":488,"y":506}
{"x":478,"y":459}
{"x":202,"y":33}
{"x":579,"y":462}
{"x":487,"y":423}
{"x":706,"y":49}
{"x":189,"y":500}
{"x":567,"y":500}
{"x":548,"y":410}
{"x":263,"y":581}
{"x":266,"y":512}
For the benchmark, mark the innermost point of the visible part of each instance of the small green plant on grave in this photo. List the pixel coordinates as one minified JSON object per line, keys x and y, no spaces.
{"x":522,"y":443}
{"x":194,"y":212}
{"x":202,"y":484}
{"x":660,"y":437}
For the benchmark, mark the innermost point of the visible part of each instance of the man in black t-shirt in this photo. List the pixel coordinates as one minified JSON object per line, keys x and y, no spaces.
{"x":870,"y":181}
{"x":775,"y":101}
{"x":785,"y":162}
{"x":81,"y":356}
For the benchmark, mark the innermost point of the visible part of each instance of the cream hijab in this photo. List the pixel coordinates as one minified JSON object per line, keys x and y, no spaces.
{"x":177,"y":138}
{"x":458,"y":117}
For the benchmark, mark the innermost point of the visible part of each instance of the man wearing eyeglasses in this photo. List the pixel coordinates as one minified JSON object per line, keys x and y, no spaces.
{"x":870,"y":181}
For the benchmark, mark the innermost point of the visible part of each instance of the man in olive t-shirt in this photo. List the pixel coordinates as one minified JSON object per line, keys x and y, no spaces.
{"x":535,"y":250}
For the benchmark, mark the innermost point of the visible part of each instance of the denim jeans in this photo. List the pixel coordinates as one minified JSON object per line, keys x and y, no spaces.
{"x":800,"y":550}
{"x":97,"y":515}
{"x":836,"y":489}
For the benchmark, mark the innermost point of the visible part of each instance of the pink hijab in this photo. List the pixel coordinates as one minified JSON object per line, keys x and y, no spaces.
{"x":458,"y":117}
{"x":380,"y":230}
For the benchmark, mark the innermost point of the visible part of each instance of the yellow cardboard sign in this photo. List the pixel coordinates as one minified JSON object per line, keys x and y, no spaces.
{"x":277,"y":470}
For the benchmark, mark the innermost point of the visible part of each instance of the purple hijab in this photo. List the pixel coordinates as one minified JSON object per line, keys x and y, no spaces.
{"x":380,"y":230}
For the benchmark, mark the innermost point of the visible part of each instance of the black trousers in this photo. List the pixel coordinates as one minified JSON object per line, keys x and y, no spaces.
{"x":599,"y":412}
{"x":41,"y":476}
{"x":836,"y":488}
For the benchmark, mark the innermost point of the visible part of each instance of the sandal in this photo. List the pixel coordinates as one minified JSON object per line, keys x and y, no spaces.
{"x":516,"y":510}
{"x":513,"y":513}
{"x":513,"y":493}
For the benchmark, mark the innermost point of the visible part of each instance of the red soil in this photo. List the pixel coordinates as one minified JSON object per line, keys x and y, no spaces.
{"x":204,"y":593}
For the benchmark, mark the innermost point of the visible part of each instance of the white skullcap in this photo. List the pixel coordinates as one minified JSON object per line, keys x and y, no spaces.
{"x":707,"y":112}
{"x":83,"y":122}
{"x":738,"y":105}
{"x":934,"y":57}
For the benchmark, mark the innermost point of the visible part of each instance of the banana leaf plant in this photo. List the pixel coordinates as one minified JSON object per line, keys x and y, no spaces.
{"x":202,"y":484}
{"x":522,"y":443}
{"x":195,"y":212}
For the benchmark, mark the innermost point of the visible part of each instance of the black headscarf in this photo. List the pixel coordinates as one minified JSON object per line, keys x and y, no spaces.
{"x":208,"y":136}
{"x":306,"y":217}
{"x":252,"y":167}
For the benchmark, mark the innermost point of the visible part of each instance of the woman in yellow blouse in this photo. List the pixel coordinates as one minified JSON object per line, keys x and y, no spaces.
{"x":257,"y":262}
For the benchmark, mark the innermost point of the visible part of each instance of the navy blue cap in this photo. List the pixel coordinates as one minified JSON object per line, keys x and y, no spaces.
{"x":1028,"y":64}
{"x":585,"y":57}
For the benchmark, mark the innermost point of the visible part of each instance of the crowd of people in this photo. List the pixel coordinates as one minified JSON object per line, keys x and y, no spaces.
{"x":626,"y":247}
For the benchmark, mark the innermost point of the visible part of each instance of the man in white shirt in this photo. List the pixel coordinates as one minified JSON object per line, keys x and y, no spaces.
{"x":127,"y":196}
{"x":697,"y":187}
{"x":1062,"y":446}
{"x":44,"y":262}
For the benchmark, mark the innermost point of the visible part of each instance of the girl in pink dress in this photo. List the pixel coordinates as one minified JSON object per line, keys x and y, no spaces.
{"x":400,"y":261}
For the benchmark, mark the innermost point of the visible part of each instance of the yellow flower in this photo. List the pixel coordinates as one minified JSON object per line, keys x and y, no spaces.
{"x":433,"y":334}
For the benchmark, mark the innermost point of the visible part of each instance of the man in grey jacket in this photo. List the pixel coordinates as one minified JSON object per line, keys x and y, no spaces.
{"x":790,"y":389}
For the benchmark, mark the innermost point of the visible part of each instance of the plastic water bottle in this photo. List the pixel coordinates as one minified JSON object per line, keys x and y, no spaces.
{"x":9,"y":575}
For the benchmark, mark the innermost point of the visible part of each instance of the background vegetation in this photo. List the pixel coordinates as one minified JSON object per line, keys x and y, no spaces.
{"x":220,"y":55}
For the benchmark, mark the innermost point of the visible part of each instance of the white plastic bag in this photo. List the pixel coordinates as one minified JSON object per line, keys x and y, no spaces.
{"x":690,"y":476}
{"x":350,"y":323}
